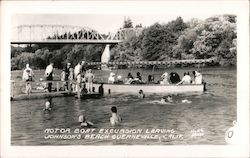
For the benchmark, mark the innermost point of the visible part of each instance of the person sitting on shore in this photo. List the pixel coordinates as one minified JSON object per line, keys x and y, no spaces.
{"x":141,"y":94}
{"x":164,"y":77}
{"x":186,"y":79}
{"x":174,"y":78}
{"x":115,"y":119}
{"x":111,"y":78}
{"x":83,"y":122}
{"x":197,"y":77}
{"x":47,"y":106}
{"x":84,"y":89}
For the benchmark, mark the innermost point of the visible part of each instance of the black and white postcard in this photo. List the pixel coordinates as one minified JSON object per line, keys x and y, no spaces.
{"x":124,"y":79}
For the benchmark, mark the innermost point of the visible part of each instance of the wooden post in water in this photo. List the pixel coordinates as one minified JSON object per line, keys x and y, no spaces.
{"x":57,"y":86}
{"x":78,"y":91}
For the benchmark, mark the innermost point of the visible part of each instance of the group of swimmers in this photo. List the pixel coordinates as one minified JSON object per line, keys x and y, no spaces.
{"x":115,"y":118}
{"x":172,"y":78}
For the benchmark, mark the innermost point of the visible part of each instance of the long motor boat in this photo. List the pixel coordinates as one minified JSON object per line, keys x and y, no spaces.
{"x":153,"y":88}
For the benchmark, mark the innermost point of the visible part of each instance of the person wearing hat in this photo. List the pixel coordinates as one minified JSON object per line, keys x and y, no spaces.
{"x":164,"y":77}
{"x":111,"y":78}
{"x":27,"y":76}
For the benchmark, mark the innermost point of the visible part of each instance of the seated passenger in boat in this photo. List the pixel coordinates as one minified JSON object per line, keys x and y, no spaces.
{"x":115,"y":119}
{"x":83,"y":122}
{"x":150,"y":79}
{"x":186,"y":79}
{"x":174,"y":78}
{"x":197,"y":77}
{"x":119,"y":80}
{"x":141,"y":94}
{"x":129,"y":79}
{"x":111,"y":78}
{"x":164,"y":78}
{"x":138,"y":79}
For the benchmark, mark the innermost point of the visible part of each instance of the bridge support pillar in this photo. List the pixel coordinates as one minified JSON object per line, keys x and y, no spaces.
{"x":105,"y":57}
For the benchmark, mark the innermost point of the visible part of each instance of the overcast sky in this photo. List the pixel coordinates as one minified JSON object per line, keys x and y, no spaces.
{"x":101,"y":23}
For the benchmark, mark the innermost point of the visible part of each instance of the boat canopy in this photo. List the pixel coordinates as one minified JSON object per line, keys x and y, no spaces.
{"x":172,"y":62}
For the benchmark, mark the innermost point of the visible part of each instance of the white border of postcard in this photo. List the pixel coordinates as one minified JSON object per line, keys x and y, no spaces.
{"x":239,"y":8}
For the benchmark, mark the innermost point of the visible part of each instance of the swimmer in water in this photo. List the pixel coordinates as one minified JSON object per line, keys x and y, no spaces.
{"x":83,"y":122}
{"x":47,"y":106}
{"x":169,"y":99}
{"x":141,"y":94}
{"x":186,"y":101}
{"x":115,"y":119}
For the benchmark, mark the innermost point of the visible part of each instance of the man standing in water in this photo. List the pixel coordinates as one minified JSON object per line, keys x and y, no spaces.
{"x":49,"y":75}
{"x":115,"y":119}
{"x":27,"y":76}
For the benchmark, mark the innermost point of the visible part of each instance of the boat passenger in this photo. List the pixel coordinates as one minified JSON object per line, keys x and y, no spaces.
{"x":47,"y":106}
{"x":141,"y":94}
{"x":186,"y":79}
{"x":164,"y":77}
{"x":28,"y":76}
{"x":115,"y":119}
{"x":119,"y":79}
{"x":111,"y":78}
{"x":174,"y":78}
{"x":89,"y":77}
{"x":83,"y":122}
{"x":129,"y":79}
{"x":197,"y":77}
{"x":138,"y":76}
{"x":49,"y":75}
{"x":130,"y":76}
{"x":150,"y":78}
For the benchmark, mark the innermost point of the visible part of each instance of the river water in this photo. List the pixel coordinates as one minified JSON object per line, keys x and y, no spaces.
{"x":202,"y":121}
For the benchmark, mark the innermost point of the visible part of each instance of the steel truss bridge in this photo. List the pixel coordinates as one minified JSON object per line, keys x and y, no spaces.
{"x":38,"y":34}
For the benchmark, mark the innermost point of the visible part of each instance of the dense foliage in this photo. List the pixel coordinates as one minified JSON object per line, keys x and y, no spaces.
{"x":195,"y":39}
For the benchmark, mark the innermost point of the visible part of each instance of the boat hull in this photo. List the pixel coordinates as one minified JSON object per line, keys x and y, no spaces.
{"x":150,"y":88}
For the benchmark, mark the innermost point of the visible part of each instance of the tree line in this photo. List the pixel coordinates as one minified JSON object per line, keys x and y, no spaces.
{"x":176,"y":40}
